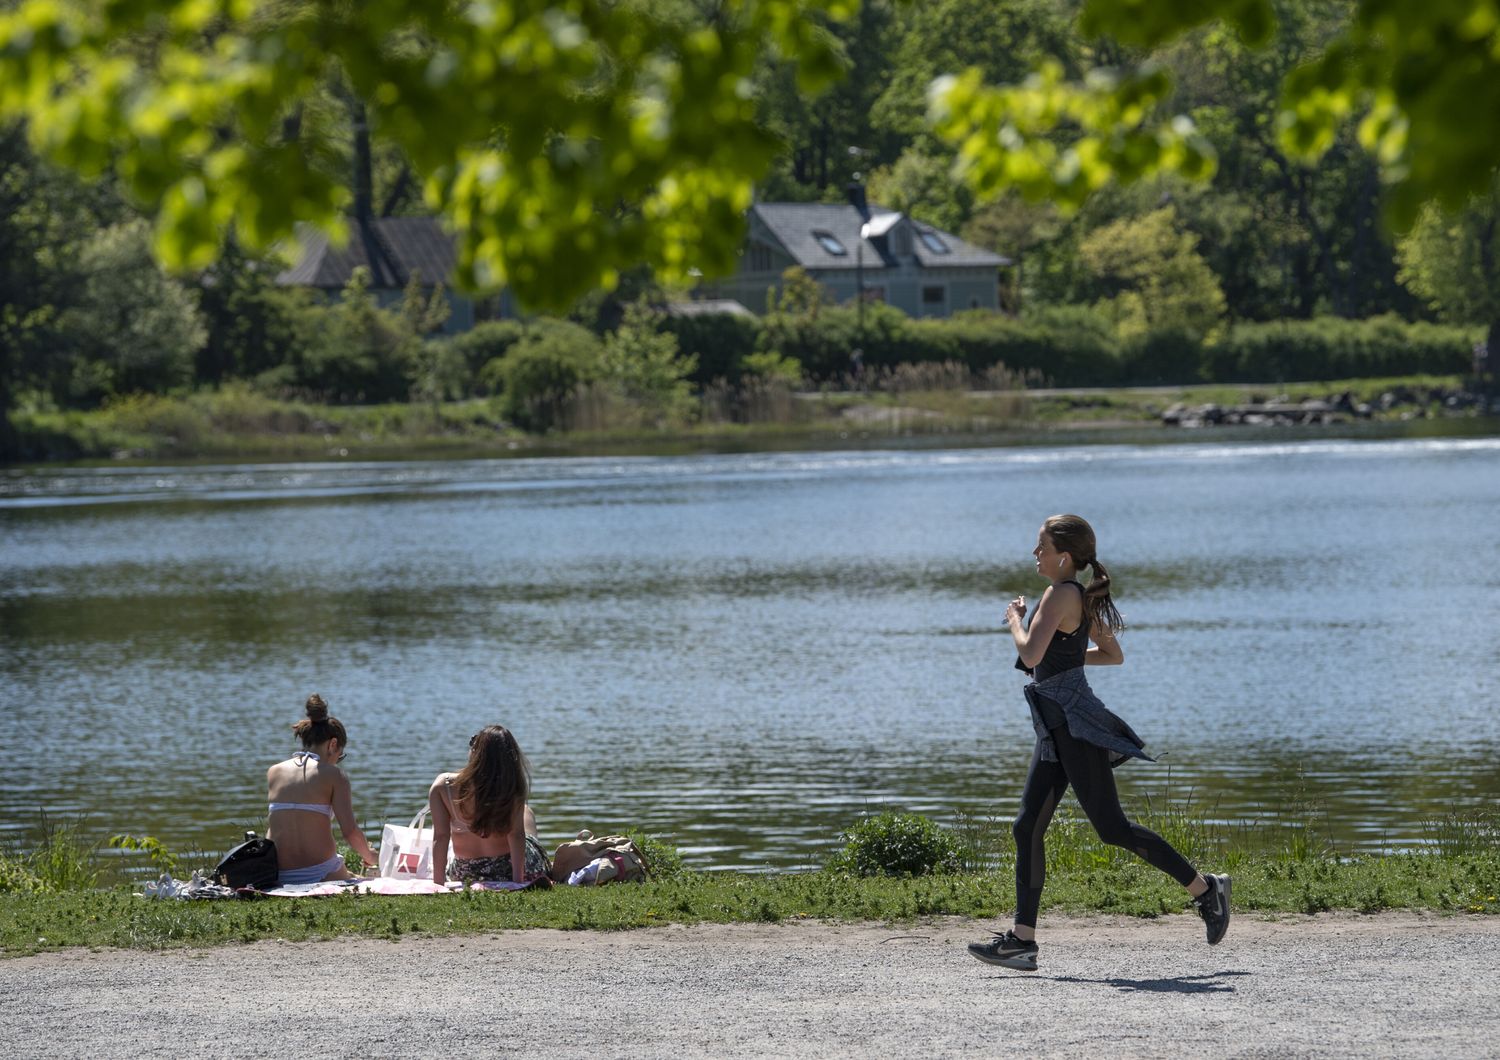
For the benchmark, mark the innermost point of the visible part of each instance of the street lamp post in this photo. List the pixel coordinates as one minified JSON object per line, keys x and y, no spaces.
{"x":855,"y":189}
{"x":859,"y":275}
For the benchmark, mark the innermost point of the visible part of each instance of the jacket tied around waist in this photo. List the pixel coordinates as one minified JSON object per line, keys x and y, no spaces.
{"x":1088,"y":719}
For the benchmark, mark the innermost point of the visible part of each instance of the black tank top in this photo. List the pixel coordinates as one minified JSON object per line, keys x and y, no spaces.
{"x":1066,"y":650}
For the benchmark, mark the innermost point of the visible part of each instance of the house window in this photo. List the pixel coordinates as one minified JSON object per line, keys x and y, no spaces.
{"x":933,"y":242}
{"x":934,"y":297}
{"x":760,"y":257}
{"x":830,"y":243}
{"x":901,"y":239}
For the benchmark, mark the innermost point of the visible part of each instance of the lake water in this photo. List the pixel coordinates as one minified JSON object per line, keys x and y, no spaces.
{"x":744,"y":653}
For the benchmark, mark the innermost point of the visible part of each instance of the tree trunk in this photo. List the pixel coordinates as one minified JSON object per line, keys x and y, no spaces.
{"x":364,"y":193}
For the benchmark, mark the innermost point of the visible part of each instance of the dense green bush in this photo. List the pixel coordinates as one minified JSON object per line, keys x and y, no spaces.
{"x":133,"y":328}
{"x":16,"y":876}
{"x":898,"y":844}
{"x":484,"y":344}
{"x":1072,"y":350}
{"x":663,"y":860}
{"x":354,"y":351}
{"x":1162,"y":356}
{"x":720,"y":341}
{"x":642,"y":365}
{"x":1333,"y":348}
{"x":540,"y":375}
{"x":822,"y":342}
{"x":1066,"y":349}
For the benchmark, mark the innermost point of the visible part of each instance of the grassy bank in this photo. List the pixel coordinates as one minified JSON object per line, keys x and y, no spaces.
{"x":236,"y":423}
{"x":49,"y":921}
{"x":50,"y":898}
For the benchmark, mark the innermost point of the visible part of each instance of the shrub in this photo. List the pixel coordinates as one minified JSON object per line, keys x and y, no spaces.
{"x":663,"y":861}
{"x":1071,"y":346}
{"x":539,"y":376}
{"x":132,"y":316}
{"x":485,"y":343}
{"x":720,"y":341}
{"x":641,"y":363}
{"x":1161,"y":356}
{"x":1333,"y":348}
{"x":357,"y":352}
{"x":898,"y":844}
{"x":1068,"y":349}
{"x":161,"y":417}
{"x":770,"y":366}
{"x":16,"y":876}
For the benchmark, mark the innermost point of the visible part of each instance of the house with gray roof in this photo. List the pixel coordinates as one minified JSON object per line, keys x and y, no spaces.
{"x":921,"y":270}
{"x":393,"y":249}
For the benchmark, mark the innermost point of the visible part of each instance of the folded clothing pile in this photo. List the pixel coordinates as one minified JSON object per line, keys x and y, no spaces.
{"x":198,"y":888}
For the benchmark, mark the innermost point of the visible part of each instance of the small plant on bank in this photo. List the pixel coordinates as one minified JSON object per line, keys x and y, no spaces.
{"x":16,"y":876}
{"x":1464,"y":832}
{"x":63,"y":860}
{"x":663,"y":861}
{"x":898,"y":844}
{"x":161,"y":857}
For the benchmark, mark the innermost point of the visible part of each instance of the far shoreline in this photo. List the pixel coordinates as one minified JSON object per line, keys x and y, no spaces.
{"x":293,"y":450}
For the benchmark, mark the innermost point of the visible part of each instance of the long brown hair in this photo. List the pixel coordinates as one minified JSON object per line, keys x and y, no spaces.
{"x":495,"y":784}
{"x":319,"y":726}
{"x":1072,"y":534}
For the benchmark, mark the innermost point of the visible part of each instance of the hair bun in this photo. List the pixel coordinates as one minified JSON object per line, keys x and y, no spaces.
{"x":317,"y":710}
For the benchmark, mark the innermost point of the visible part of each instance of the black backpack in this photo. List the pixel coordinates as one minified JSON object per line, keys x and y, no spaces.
{"x":251,"y":864}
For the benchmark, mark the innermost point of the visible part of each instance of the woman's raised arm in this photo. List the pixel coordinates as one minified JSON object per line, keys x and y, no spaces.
{"x":343,"y":812}
{"x":442,"y":829}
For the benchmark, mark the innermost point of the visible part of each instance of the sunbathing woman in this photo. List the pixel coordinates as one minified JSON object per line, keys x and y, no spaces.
{"x":306,"y":792}
{"x":1078,"y":740}
{"x":483,"y":810}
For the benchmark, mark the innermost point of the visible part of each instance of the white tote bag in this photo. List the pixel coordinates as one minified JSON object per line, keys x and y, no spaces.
{"x":406,"y":851}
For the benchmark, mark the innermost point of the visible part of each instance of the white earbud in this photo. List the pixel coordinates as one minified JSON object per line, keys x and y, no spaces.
{"x":1061,"y":561}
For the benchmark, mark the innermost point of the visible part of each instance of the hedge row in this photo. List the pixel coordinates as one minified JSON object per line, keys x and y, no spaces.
{"x":1063,"y":346}
{"x":1072,"y":346}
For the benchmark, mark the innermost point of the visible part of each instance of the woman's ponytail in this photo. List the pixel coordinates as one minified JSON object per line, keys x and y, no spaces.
{"x":1072,"y":534}
{"x":1097,"y":602}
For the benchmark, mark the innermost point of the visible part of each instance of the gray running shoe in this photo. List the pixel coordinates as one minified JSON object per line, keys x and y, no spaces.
{"x":1007,"y":951}
{"x":1213,"y":906}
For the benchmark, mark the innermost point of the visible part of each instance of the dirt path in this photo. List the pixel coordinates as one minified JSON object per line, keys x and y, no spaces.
{"x":1395,"y":984}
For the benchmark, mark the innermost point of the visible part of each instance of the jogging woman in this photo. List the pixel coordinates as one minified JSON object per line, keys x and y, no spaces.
{"x":1079,"y":741}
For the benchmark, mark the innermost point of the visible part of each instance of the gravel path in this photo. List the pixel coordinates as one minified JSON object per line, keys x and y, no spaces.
{"x":1395,"y":984}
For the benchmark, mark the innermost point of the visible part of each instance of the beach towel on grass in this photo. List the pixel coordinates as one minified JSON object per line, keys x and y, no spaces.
{"x":387,"y":885}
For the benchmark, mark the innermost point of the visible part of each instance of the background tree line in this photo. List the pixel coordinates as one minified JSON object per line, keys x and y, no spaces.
{"x":1246,"y":276}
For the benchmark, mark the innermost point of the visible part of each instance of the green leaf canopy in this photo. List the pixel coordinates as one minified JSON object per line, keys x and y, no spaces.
{"x":563,"y":140}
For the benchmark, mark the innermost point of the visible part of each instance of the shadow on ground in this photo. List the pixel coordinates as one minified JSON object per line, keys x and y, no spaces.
{"x":1179,"y":984}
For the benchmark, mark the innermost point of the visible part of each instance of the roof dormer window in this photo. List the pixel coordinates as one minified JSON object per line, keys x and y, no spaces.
{"x":829,"y":242}
{"x":933,"y":242}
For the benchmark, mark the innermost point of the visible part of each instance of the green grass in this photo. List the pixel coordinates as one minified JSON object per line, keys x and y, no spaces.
{"x":48,"y":897}
{"x":34,"y":921}
{"x":235,"y":422}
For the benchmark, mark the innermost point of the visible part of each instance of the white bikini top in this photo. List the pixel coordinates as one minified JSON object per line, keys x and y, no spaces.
{"x":315,"y":807}
{"x":456,"y":823}
{"x":301,"y":758}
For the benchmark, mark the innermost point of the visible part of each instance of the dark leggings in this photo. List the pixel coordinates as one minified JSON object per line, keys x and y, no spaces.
{"x":1086,"y":767}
